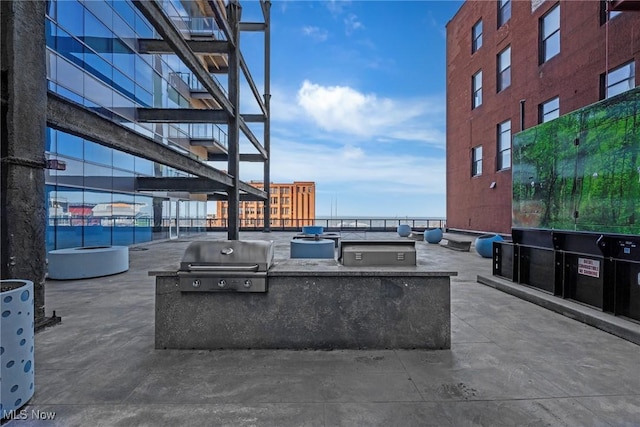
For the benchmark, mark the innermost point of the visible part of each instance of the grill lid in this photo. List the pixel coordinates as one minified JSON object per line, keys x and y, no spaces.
{"x":247,"y":255}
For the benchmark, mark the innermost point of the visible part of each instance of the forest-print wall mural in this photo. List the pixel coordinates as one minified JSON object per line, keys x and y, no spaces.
{"x":581,"y":171}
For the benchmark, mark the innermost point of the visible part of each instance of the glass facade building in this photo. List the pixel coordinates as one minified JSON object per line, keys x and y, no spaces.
{"x":92,"y":59}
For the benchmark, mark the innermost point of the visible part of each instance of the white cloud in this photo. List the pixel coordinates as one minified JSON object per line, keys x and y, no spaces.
{"x":336,"y":7}
{"x":352,"y":24}
{"x":351,"y":168}
{"x":316,"y":34}
{"x":342,"y":109}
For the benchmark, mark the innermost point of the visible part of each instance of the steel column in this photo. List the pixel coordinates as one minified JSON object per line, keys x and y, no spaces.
{"x":23,"y":126}
{"x":234,"y":11}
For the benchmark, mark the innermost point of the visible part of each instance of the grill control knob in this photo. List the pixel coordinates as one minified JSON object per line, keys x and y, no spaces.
{"x":222,"y":283}
{"x":196,"y":283}
{"x":247,"y":283}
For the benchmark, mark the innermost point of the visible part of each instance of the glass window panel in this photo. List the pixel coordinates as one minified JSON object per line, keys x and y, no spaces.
{"x":477,"y":161}
{"x":125,"y":32}
{"x":70,"y":16}
{"x":124,"y":211}
{"x":98,"y":92}
{"x":504,"y":12}
{"x":144,"y":219}
{"x":550,"y":110}
{"x":51,"y":31}
{"x":97,"y":153}
{"x":552,"y":46}
{"x":97,"y":218}
{"x":70,"y":48}
{"x":143,"y":166}
{"x":123,"y":160}
{"x":98,"y":177}
{"x":60,"y":90}
{"x":51,"y":140}
{"x":52,"y":66}
{"x":64,"y":203}
{"x":142,"y":27}
{"x":143,"y":74}
{"x":124,"y":9}
{"x":143,"y":97}
{"x":551,"y":22}
{"x":97,"y":36}
{"x":101,"y":9}
{"x":69,"y":145}
{"x":123,"y":84}
{"x":477,"y":36}
{"x":124,"y":58}
{"x":621,"y":73}
{"x":97,"y":66}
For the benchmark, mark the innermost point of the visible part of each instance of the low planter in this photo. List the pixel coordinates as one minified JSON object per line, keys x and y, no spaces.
{"x":16,"y":344}
{"x":484,"y":244}
{"x":312,"y":229}
{"x":404,"y":230}
{"x":433,"y":235}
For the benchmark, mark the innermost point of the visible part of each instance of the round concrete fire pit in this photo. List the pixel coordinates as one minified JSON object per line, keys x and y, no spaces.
{"x":312,"y":248}
{"x":86,"y":262}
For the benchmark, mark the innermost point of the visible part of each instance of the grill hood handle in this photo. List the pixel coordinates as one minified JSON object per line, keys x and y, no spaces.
{"x":223,"y":267}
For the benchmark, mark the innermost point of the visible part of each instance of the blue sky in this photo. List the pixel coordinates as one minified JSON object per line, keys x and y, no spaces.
{"x":358,"y":102}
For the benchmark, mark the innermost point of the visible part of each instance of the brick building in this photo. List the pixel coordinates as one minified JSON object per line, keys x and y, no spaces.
{"x":292,"y":205}
{"x":512,"y":65}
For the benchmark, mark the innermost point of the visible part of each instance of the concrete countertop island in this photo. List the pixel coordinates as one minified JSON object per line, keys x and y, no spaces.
{"x":311,"y":304}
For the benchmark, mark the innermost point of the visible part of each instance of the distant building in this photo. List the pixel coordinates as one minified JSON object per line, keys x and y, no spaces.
{"x":512,"y":65}
{"x":292,"y":205}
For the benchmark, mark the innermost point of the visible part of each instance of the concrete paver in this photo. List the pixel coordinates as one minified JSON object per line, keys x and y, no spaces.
{"x":511,"y":363}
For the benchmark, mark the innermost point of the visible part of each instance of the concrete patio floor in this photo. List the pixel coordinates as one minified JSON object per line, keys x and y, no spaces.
{"x":511,"y":363}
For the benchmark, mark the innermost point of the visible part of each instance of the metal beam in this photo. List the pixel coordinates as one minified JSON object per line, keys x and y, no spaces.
{"x":216,"y":157}
{"x":252,"y":85}
{"x":254,"y":118}
{"x":252,"y":191}
{"x":221,"y":20}
{"x":207,"y":47}
{"x":252,"y":26}
{"x":252,"y":138}
{"x":181,"y":115}
{"x":152,"y":10}
{"x":191,"y":185}
{"x":75,"y":119}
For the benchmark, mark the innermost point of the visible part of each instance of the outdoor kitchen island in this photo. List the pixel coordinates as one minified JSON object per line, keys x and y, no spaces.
{"x":305,"y":304}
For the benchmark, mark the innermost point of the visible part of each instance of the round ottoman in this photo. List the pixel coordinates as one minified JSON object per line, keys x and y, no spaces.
{"x":484,"y":244}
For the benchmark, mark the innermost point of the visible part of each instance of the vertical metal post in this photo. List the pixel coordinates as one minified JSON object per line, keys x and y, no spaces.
{"x":23,"y":126}
{"x":234,"y":12}
{"x":267,"y":124}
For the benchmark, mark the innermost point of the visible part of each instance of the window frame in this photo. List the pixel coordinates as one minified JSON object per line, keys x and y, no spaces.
{"x":476,"y":38}
{"x":605,"y":79}
{"x":542,"y":114}
{"x":504,"y":7}
{"x":500,"y":80}
{"x":476,"y":162}
{"x":500,"y":150}
{"x":475,"y":91}
{"x":543,"y":40}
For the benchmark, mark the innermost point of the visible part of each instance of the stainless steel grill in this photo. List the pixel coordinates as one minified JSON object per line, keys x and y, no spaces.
{"x":226,"y":266}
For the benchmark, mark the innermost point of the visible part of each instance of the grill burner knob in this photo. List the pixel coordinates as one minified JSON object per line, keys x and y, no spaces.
{"x":247,"y":283}
{"x":222,"y":283}
{"x":196,"y":283}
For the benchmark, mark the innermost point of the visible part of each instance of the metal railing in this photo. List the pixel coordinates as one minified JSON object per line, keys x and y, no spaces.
{"x":331,"y":224}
